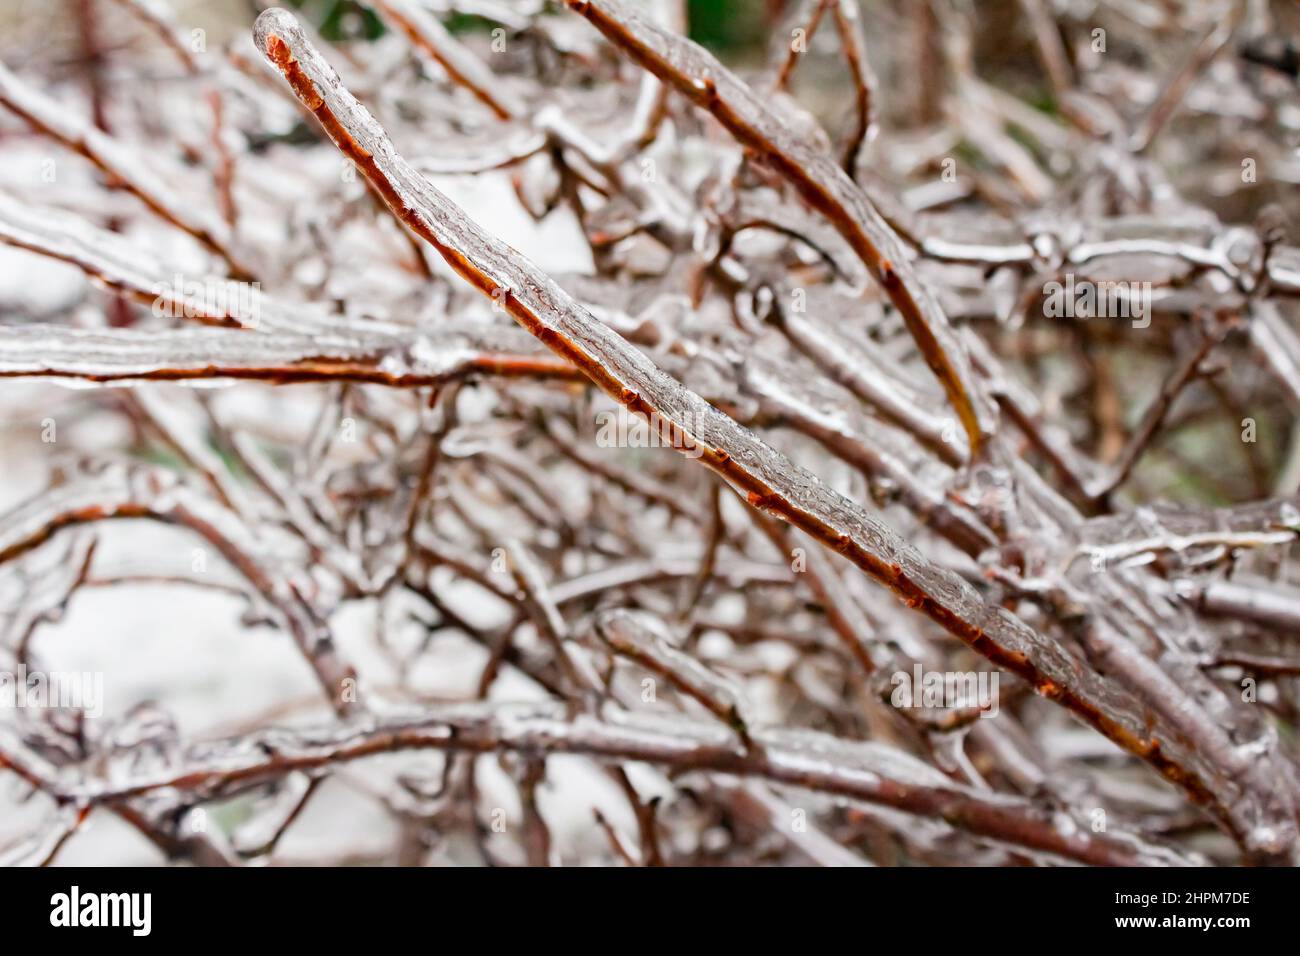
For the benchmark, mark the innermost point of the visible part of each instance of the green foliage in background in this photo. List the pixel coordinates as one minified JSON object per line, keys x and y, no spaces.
{"x":728,"y":27}
{"x":341,"y":19}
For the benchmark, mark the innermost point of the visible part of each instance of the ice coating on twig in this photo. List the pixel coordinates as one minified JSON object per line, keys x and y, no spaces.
{"x":140,"y":492}
{"x":642,"y":639}
{"x":444,"y":471}
{"x":768,"y":479}
{"x":826,"y":186}
{"x":871,"y":772}
{"x":119,"y":162}
{"x":187,"y":354}
{"x":435,"y":41}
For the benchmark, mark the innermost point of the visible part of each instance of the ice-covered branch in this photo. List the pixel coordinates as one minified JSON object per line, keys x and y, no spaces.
{"x":127,"y":355}
{"x":766,"y":478}
{"x":140,"y":492}
{"x":695,"y":74}
{"x":869,"y":772}
{"x":122,"y":166}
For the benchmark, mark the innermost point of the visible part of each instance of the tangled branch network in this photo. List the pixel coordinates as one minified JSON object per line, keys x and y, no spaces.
{"x":530,"y":437}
